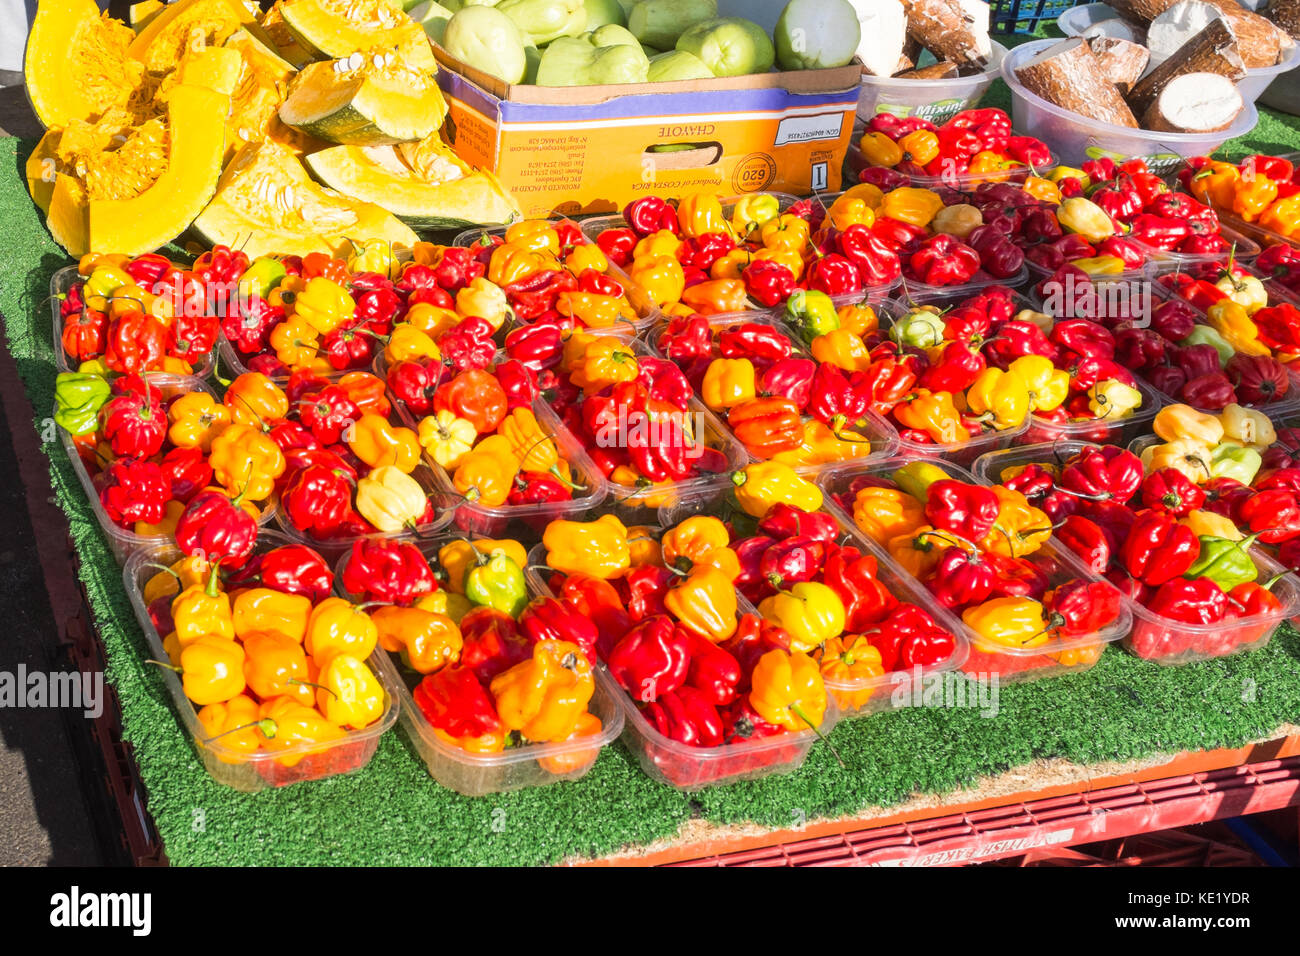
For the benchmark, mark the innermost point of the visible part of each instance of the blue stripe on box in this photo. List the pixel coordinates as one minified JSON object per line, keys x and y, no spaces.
{"x":455,"y":85}
{"x":683,"y":105}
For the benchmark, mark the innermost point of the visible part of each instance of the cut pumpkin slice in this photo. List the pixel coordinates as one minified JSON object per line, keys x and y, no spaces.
{"x":336,"y":28}
{"x":42,"y":168}
{"x":141,"y":14}
{"x":182,"y":26}
{"x":283,"y":40}
{"x":366,"y":99}
{"x":77,"y":65}
{"x":445,"y":195}
{"x":160,"y":213}
{"x":267,"y":204}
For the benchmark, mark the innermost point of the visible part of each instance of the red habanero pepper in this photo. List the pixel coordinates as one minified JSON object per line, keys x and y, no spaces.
{"x":548,"y":619}
{"x":394,"y":572}
{"x":686,"y":716}
{"x":1086,"y":539}
{"x":650,"y":214}
{"x":652,"y":659}
{"x":1081,"y":607}
{"x":215,"y":527}
{"x":713,"y":671}
{"x":1158,"y":548}
{"x":290,"y":569}
{"x":617,"y":244}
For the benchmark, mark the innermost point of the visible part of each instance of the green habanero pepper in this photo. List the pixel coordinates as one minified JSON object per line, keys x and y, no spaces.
{"x":1225,"y":562}
{"x":497,"y":581}
{"x":812,"y":312}
{"x":919,"y":327}
{"x":1231,"y":460}
{"x":1204,"y":335}
{"x":79,"y":396}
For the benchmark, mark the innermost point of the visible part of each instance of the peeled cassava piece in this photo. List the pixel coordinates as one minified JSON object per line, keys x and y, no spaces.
{"x":935,"y":71}
{"x":1115,"y":27}
{"x":424,"y":184}
{"x":1195,"y":103}
{"x":1213,"y":50}
{"x":942,"y":27}
{"x":365,"y":99}
{"x":1121,"y":60}
{"x":1068,"y":75}
{"x":266,"y":204}
{"x":131,"y":189}
{"x":1286,"y":15}
{"x":882,"y":35}
{"x":1178,"y":24}
{"x":1260,"y":41}
{"x":658,"y":23}
{"x":487,"y":40}
{"x":77,"y":63}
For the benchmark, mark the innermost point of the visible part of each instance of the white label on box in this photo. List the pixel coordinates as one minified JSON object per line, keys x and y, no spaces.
{"x":805,"y":129}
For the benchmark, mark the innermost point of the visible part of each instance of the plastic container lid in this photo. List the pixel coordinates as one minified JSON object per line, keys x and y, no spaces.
{"x":935,"y":100}
{"x":1075,"y":138}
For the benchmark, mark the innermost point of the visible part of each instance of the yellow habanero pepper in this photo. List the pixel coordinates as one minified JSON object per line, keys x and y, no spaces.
{"x":189,"y":570}
{"x":234,"y":722}
{"x":1238,"y":329}
{"x":1019,"y":529}
{"x":447,"y":438}
{"x":605,"y":361}
{"x":727,"y":383}
{"x":337,"y":626}
{"x":511,"y":263}
{"x":664,"y":242}
{"x":911,"y":205}
{"x":264,"y":609}
{"x":848,"y":211}
{"x":698,"y":542}
{"x":211,"y":669}
{"x":458,"y":557}
{"x":886,"y":513}
{"x":842,"y":348}
{"x":1182,"y":421}
{"x":1044,"y":190}
{"x":196,"y":419}
{"x":597,"y":548}
{"x":486,"y":473}
{"x":253,"y":399}
{"x":543,"y":697}
{"x":716,"y":296}
{"x":594,"y":310}
{"x":920,"y":147}
{"x":390,"y":499}
{"x":1252,"y":195}
{"x":792,"y":259}
{"x":407,"y":343}
{"x":1112,"y":399}
{"x":536,"y":234}
{"x":1187,"y":455}
{"x":761,"y":485}
{"x":787,"y":231}
{"x":378,"y":443}
{"x":1047,"y":385}
{"x":824,"y":444}
{"x":858,"y":318}
{"x":1215,"y":184}
{"x":788,"y":690}
{"x":1007,"y":622}
{"x":879,"y":150}
{"x":349,"y":694}
{"x":732,"y":264}
{"x":584,"y":257}
{"x":933,"y":413}
{"x":485,"y":299}
{"x":700,"y":214}
{"x":246,"y":462}
{"x":285,"y":724}
{"x":1209,"y":524}
{"x":203,"y":609}
{"x":426,"y":641}
{"x":1283,"y":216}
{"x":810,"y":612}
{"x":1002,"y":396}
{"x":704,"y":602}
{"x":432,"y":320}
{"x":324,"y":305}
{"x":850,"y":660}
{"x":660,"y":277}
{"x":295,"y":342}
{"x":750,"y":212}
{"x":1100,"y":265}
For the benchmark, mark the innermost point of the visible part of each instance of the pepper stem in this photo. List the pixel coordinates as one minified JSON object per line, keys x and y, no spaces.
{"x":266,"y":725}
{"x":798,"y":712}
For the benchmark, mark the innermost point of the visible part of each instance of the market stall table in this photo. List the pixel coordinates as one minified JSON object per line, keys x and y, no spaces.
{"x":1124,"y":710}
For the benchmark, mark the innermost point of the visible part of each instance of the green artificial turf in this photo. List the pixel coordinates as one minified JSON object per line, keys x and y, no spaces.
{"x":393,"y":813}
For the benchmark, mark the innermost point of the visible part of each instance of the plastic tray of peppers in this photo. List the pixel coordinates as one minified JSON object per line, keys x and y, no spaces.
{"x":278,"y":682}
{"x":988,"y":554}
{"x":146,"y":449}
{"x":131,"y":315}
{"x":714,"y":256}
{"x":714,"y":691}
{"x":1256,"y":196}
{"x":1189,"y":577}
{"x":550,"y":270}
{"x":495,"y":679}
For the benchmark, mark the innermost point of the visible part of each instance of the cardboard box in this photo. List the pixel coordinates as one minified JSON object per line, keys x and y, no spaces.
{"x":589,"y":149}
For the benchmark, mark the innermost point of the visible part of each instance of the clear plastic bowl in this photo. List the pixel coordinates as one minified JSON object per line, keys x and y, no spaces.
{"x":1242,"y":248}
{"x":474,"y":518}
{"x":125,"y":543}
{"x":688,"y":768}
{"x":988,"y":468}
{"x":1075,"y":138}
{"x":1166,"y":641}
{"x":1116,"y":431}
{"x":989,"y":659}
{"x":921,"y":292}
{"x":935,"y":100}
{"x":65,"y":279}
{"x":647,"y":312}
{"x":476,"y":775}
{"x":257,"y":771}
{"x":882,"y":437}
{"x":852,"y":697}
{"x":444,"y":510}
